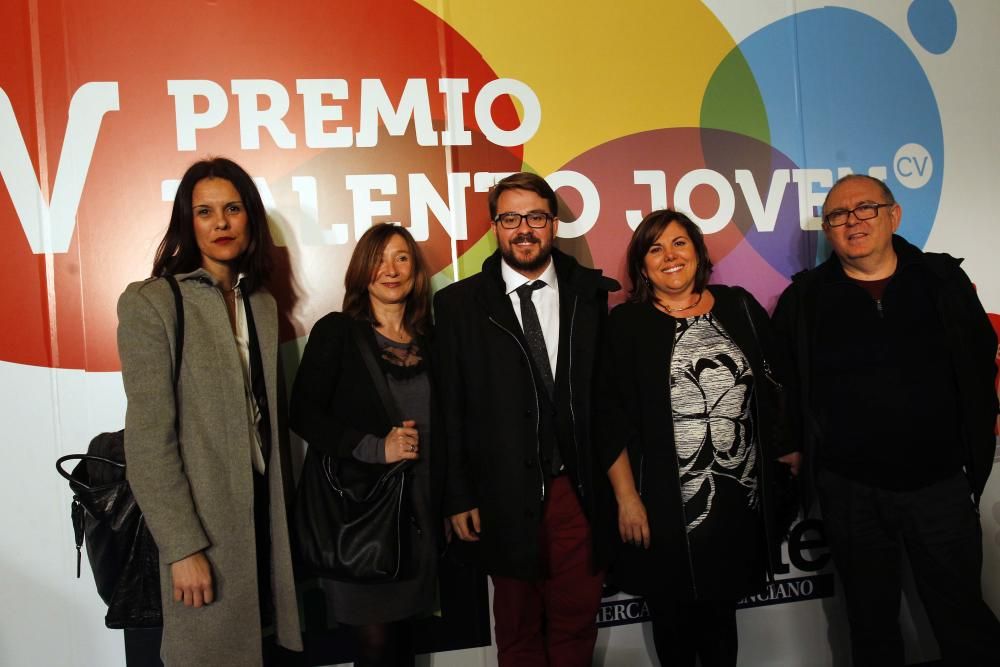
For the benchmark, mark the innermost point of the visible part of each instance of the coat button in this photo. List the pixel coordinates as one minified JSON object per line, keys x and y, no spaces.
{"x":527,"y":414}
{"x":529,"y":513}
{"x":528,"y":463}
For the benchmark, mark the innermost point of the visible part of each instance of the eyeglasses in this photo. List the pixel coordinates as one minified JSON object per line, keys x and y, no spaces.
{"x":840,"y":216}
{"x":535,"y":219}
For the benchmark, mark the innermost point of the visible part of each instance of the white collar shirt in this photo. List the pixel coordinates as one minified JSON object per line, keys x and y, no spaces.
{"x":545,"y":300}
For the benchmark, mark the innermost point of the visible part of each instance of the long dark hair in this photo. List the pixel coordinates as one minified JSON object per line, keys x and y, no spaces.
{"x":178,"y":251}
{"x":361,"y":270}
{"x":645,"y":236}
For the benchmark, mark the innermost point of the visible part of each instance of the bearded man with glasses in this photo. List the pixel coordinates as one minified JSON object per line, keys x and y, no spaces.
{"x":895,"y":369}
{"x":516,"y":348}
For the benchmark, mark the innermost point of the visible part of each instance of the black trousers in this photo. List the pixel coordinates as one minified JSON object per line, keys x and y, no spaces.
{"x":938,"y":526}
{"x":684,"y":630}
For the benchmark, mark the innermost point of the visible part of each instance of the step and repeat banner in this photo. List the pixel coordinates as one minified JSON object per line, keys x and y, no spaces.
{"x":350,"y":114}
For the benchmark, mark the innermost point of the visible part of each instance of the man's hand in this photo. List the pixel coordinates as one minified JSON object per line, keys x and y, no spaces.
{"x":633,"y":525}
{"x":793,"y":461}
{"x":192,"y":579}
{"x":461,"y":523}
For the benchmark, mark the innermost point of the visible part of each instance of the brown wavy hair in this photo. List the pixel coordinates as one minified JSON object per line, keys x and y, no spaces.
{"x":523,"y":181}
{"x":178,"y":251}
{"x":645,"y":236}
{"x":361,"y":270}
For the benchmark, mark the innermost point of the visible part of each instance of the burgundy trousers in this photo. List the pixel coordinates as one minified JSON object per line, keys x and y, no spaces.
{"x":552,"y":621}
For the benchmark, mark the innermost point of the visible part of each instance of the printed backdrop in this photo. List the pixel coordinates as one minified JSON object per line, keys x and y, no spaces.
{"x":406,"y":111}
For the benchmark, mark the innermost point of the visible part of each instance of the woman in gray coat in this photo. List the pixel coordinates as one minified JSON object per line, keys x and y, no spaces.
{"x":204,"y":463}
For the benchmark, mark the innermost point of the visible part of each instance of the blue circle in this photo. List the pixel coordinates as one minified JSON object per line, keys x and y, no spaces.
{"x":830,"y":110}
{"x":933,"y":24}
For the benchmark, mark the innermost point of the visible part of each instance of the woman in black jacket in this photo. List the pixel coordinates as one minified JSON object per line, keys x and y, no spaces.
{"x":690,"y":425}
{"x":336,"y":408}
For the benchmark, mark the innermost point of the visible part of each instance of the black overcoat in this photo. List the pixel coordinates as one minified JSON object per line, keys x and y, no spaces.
{"x":635,"y":414}
{"x":491,"y":410}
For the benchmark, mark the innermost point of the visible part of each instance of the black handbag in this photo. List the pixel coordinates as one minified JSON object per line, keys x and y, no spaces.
{"x":120,"y":548}
{"x":350,"y":519}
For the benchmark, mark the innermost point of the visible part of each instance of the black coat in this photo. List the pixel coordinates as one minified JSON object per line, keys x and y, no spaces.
{"x":635,"y":413}
{"x":969,"y":339}
{"x":334,"y":402}
{"x":491,"y":410}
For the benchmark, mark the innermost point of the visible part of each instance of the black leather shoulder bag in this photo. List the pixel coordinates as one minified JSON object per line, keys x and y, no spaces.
{"x":350,"y":518}
{"x":120,"y":548}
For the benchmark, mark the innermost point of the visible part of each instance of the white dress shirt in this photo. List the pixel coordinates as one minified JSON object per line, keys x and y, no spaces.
{"x":546,"y":301}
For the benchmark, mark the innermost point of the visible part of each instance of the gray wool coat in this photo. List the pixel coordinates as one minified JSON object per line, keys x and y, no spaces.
{"x":195,"y":487}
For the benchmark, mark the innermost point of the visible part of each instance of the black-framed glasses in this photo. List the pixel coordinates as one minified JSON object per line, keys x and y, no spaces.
{"x":839,"y":217}
{"x":535,"y":219}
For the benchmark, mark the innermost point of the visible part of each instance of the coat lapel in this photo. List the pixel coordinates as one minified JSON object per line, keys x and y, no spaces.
{"x":567,"y":303}
{"x":655,"y":345}
{"x":494,"y":300}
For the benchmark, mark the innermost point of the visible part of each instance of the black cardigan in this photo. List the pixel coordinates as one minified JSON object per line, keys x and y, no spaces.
{"x":635,"y":413}
{"x":334,"y":401}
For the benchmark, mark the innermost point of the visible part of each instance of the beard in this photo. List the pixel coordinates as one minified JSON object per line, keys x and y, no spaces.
{"x":530,"y":265}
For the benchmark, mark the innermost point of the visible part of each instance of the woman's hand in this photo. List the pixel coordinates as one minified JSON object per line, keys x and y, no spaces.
{"x":633,"y":525}
{"x":402,"y":442}
{"x":793,"y":461}
{"x":192,"y":579}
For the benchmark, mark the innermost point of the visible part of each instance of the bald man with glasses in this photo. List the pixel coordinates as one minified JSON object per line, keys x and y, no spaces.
{"x":895,"y":369}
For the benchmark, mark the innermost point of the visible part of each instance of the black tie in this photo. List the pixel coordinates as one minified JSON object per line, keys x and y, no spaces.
{"x":533,"y":334}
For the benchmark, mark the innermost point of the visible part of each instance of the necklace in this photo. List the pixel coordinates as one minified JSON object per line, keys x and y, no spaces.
{"x":398,"y":337}
{"x":668,"y":309}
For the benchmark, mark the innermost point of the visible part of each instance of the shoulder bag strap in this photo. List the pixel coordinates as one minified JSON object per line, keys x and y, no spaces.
{"x":765,"y":366}
{"x":179,"y":335}
{"x":378,"y":377}
{"x":178,"y":346}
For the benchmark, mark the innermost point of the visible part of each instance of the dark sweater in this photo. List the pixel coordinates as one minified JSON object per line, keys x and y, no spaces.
{"x":916,"y":385}
{"x":885,"y":382}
